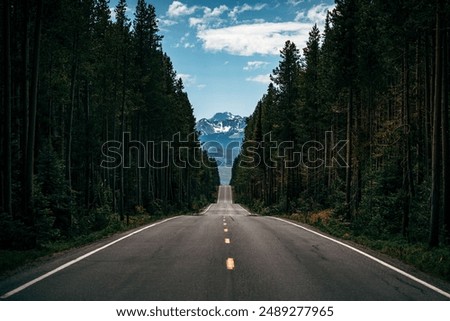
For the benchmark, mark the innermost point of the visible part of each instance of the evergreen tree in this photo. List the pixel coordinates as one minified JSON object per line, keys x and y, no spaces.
{"x":379,"y":80}
{"x":85,"y":80}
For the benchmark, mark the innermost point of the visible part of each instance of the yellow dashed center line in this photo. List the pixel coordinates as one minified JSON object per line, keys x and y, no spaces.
{"x":230,"y":264}
{"x":230,"y":261}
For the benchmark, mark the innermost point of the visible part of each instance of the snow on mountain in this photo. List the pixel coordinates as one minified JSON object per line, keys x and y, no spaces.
{"x":223,"y":116}
{"x":225,"y":123}
{"x":227,"y":130}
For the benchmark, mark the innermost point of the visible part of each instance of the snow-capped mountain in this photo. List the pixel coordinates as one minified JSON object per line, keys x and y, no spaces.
{"x":222,"y":123}
{"x":221,"y":136}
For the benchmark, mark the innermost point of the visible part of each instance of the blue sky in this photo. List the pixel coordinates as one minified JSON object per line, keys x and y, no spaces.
{"x":225,"y":50}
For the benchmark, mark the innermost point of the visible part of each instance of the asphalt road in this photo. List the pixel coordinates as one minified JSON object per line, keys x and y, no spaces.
{"x":223,"y":254}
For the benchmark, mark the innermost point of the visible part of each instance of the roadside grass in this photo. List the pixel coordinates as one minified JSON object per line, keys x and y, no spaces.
{"x":10,"y":260}
{"x":435,"y":261}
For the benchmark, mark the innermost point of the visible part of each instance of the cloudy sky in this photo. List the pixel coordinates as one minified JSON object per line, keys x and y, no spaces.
{"x":226,"y":50}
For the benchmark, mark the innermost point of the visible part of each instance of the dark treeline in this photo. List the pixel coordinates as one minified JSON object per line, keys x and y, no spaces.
{"x":72,"y":79}
{"x":377,"y":78}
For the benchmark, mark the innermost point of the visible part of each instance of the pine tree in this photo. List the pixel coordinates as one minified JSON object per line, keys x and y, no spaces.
{"x":6,"y":203}
{"x":287,"y":77}
{"x":436,"y":141}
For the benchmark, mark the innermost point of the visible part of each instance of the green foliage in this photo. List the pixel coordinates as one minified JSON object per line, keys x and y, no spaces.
{"x":381,"y":206}
{"x":11,"y":259}
{"x":98,"y":79}
{"x":14,"y":233}
{"x":418,"y":254}
{"x":52,"y":199}
{"x":420,"y":219}
{"x":368,"y":80}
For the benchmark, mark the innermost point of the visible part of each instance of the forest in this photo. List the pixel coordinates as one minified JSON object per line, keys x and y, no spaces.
{"x":375,"y":78}
{"x":73,"y":79}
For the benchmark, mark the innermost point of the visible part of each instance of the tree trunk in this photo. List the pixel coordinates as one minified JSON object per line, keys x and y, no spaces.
{"x":139,"y":169}
{"x":428,"y":113}
{"x":114,"y":196}
{"x":25,"y":104}
{"x":436,"y":142}
{"x":445,"y":142}
{"x":122,"y":130}
{"x":408,"y":186}
{"x":73,"y":79}
{"x":7,"y":102}
{"x":32,"y":115}
{"x":348,"y":176}
{"x":421,"y":151}
{"x":87,"y":169}
{"x":359,"y":156}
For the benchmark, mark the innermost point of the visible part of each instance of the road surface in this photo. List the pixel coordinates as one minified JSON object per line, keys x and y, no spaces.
{"x":223,"y":254}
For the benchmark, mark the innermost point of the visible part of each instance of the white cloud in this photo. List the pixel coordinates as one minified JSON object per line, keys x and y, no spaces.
{"x":183,"y":39}
{"x":262,"y":79}
{"x":316,"y":14}
{"x":190,"y":81}
{"x":301,"y":15}
{"x":264,"y":38}
{"x":184,"y":42}
{"x":211,"y":17}
{"x":258,"y":38}
{"x":128,"y":12}
{"x":167,"y":23}
{"x":254,"y":65}
{"x":295,"y":2}
{"x":195,"y":22}
{"x":177,"y":9}
{"x":216,"y":12}
{"x":245,"y":7}
{"x":112,"y":12}
{"x":258,"y":21}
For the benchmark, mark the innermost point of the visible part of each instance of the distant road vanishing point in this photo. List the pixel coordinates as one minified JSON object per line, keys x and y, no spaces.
{"x":225,"y":253}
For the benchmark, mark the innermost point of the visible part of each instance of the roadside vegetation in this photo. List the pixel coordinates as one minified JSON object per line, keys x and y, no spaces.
{"x":357,"y":122}
{"x":83,"y":118}
{"x":11,"y":259}
{"x":435,"y":261}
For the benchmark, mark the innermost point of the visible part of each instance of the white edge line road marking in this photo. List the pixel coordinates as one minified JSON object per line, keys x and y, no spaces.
{"x":207,"y":209}
{"x":64,"y":266}
{"x":389,"y":266}
{"x":409,"y":276}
